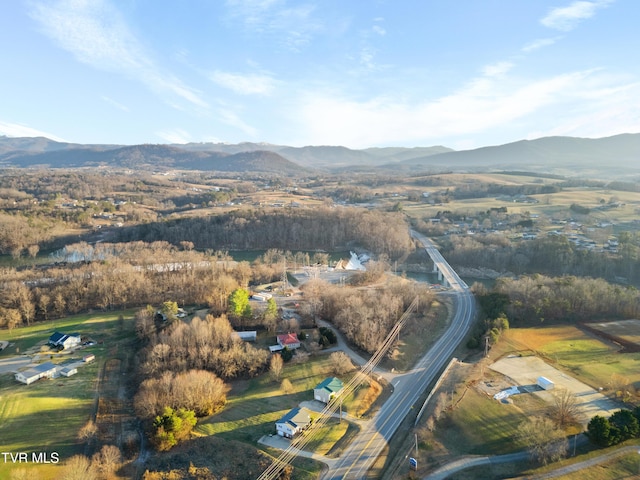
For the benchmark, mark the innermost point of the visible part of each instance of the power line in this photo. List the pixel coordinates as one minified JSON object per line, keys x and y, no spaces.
{"x":298,"y":443}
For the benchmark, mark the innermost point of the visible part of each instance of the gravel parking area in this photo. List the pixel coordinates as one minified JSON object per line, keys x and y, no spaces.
{"x":526,"y":370}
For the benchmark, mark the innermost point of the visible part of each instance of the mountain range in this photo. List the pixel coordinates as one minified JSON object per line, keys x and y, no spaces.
{"x":619,"y":155}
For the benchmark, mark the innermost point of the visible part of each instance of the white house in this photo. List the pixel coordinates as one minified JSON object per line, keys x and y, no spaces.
{"x":65,"y":341}
{"x":44,"y":370}
{"x":328,"y":389}
{"x":293,"y":422}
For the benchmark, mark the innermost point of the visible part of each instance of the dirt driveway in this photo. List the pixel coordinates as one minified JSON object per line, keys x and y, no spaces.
{"x":526,"y":370}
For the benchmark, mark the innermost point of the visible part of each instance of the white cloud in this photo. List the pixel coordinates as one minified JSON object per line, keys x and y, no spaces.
{"x":497,"y":69}
{"x":116,"y":104}
{"x":250,"y":84}
{"x":540,"y":43}
{"x":484,"y":105}
{"x":174,"y":136}
{"x":567,"y":18}
{"x":294,"y":26}
{"x":19,"y":130}
{"x":96,"y":34}
{"x":229,"y":115}
{"x":379,"y":30}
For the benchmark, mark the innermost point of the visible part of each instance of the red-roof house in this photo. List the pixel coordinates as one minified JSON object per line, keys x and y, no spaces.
{"x":289,"y":340}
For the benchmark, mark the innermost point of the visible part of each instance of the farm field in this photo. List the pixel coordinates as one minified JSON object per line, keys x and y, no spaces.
{"x":628,"y":330}
{"x":593,"y":361}
{"x":480,"y":425}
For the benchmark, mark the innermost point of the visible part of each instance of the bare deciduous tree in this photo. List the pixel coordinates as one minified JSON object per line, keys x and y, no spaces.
{"x":88,"y":431}
{"x":107,"y":460}
{"x":78,"y":467}
{"x":341,"y":363}
{"x":545,"y":442}
{"x":275,"y":367}
{"x":564,"y":409}
{"x":197,"y":390}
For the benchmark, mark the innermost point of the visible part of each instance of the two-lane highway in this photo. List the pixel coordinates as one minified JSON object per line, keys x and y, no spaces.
{"x":367,"y":446}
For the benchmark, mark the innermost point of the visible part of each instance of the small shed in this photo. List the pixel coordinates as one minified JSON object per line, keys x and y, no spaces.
{"x":68,"y":371}
{"x":88,"y":358}
{"x":545,"y":383}
{"x":248,"y":336}
{"x":293,"y":422}
{"x":328,"y":389}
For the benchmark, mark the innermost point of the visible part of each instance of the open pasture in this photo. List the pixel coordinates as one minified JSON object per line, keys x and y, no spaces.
{"x":588,"y":358}
{"x":47,"y":415}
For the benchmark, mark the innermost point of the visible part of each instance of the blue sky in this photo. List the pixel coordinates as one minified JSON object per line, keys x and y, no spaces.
{"x":460,"y":73}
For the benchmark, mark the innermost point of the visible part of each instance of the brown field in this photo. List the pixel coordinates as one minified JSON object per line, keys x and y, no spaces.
{"x":627,"y":330}
{"x":541,"y":339}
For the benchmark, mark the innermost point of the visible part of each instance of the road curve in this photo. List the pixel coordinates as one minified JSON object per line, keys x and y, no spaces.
{"x":367,"y":446}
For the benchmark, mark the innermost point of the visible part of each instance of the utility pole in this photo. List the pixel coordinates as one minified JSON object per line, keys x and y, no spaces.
{"x":285,"y":281}
{"x":416,"y":443}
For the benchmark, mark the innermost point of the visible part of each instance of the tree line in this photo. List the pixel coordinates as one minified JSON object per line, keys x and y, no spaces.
{"x":287,"y":229}
{"x":115,"y":276}
{"x":208,"y":344}
{"x":553,"y":255}
{"x":530,"y":300}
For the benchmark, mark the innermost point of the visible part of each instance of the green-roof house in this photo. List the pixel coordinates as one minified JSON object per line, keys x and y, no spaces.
{"x":328,"y":389}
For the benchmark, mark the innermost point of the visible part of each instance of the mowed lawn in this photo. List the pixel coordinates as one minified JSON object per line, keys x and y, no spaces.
{"x":47,"y":415}
{"x":588,"y":358}
{"x":42,"y":417}
{"x":98,"y":326}
{"x":255,"y":405}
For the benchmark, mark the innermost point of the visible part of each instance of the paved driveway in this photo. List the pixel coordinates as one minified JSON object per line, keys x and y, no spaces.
{"x":13,"y":364}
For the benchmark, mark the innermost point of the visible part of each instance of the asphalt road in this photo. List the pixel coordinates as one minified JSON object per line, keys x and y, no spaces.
{"x":367,"y":446}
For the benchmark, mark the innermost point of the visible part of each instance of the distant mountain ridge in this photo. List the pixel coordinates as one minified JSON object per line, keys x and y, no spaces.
{"x":616,"y":152}
{"x":620,"y":153}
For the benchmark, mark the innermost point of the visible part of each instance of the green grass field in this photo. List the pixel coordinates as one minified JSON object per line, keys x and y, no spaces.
{"x":98,"y":326}
{"x":255,"y":405}
{"x":584,"y":355}
{"x":480,"y":425}
{"x":46,"y":415}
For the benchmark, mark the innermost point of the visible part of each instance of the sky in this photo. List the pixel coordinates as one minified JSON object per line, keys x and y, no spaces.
{"x":358,"y":73}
